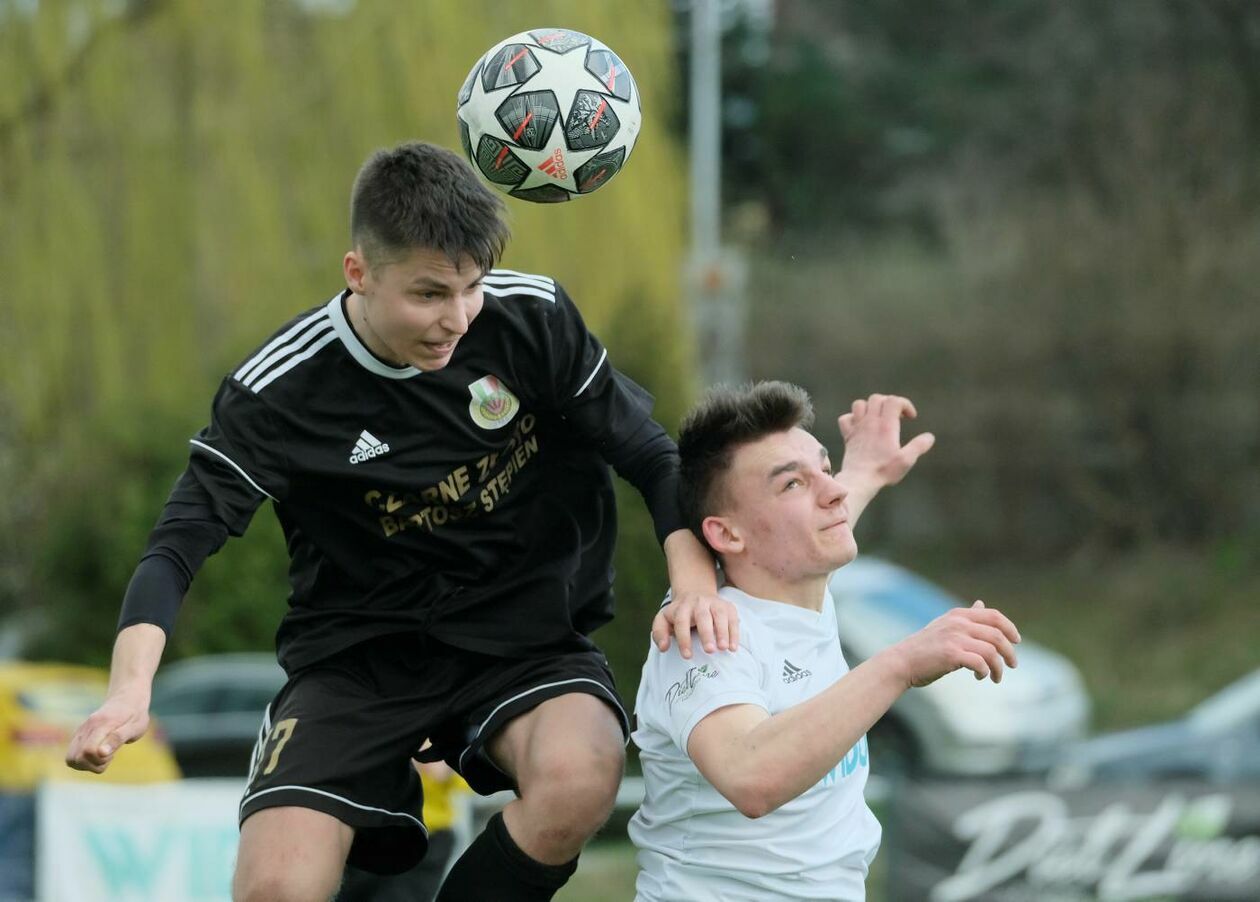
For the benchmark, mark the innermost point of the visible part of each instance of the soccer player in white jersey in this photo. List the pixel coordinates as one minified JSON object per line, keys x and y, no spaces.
{"x":755,"y":760}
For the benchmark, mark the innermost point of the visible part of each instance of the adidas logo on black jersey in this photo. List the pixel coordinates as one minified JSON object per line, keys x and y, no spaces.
{"x":792,"y":673}
{"x":367,"y":447}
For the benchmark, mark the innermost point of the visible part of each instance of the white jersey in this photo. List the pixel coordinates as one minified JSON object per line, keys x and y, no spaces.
{"x":693,"y":843}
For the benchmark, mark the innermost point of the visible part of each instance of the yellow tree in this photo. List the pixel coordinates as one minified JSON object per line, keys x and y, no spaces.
{"x":174,"y":179}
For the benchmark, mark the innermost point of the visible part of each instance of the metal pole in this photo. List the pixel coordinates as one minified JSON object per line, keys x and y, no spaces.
{"x":705,"y":127}
{"x":716,"y":275}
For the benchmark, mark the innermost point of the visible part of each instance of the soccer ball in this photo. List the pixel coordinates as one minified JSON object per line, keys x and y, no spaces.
{"x":549,"y":114}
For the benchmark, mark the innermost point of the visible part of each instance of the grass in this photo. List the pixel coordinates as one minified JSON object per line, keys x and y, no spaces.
{"x":605,"y":873}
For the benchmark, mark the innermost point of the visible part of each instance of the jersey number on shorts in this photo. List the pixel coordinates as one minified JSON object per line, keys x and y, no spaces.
{"x":279,"y":734}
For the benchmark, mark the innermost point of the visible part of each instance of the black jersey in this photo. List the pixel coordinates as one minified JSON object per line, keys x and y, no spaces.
{"x":472,"y":502}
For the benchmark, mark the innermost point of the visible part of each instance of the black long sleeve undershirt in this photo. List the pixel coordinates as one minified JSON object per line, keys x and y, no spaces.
{"x":649,"y":462}
{"x":187,"y":532}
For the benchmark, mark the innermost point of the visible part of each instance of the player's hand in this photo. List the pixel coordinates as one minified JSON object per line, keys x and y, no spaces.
{"x":121,"y":719}
{"x":715,"y":619}
{"x":872,"y":440}
{"x":978,"y":638}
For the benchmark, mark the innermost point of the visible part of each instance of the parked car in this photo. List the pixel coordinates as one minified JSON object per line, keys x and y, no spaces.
{"x":1218,"y":740}
{"x":212,"y":707}
{"x":957,"y":725}
{"x":41,"y":705}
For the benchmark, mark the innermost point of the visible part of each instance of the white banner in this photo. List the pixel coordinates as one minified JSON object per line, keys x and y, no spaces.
{"x":173,"y":842}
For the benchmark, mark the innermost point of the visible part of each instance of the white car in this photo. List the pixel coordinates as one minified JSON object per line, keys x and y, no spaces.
{"x":957,"y":725}
{"x":1217,"y":740}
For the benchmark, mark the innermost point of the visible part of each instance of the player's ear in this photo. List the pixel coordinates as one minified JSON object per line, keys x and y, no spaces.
{"x":722,"y":535}
{"x":355,"y":269}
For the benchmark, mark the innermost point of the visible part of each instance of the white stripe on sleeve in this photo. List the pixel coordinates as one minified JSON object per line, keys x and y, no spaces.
{"x":502,"y":291}
{"x":279,"y":354}
{"x":277,"y":341}
{"x":231,"y":463}
{"x":294,"y":361}
{"x":598,"y":364}
{"x":543,"y":281}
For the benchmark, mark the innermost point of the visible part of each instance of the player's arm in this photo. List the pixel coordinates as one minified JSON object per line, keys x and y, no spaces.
{"x":614,"y":415}
{"x":873,"y":454}
{"x":648,"y":460}
{"x":230,"y":461}
{"x":187,"y":532}
{"x":694,"y":601}
{"x":124,"y":715}
{"x":759,"y":762}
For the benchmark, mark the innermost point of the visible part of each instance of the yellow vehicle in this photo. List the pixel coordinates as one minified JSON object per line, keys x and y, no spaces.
{"x":41,"y":705}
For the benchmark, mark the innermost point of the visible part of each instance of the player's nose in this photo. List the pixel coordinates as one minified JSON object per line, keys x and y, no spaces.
{"x":832,"y":492}
{"x":457,"y":317}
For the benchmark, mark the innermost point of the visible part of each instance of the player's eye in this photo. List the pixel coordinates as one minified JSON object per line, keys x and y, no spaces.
{"x":792,"y":483}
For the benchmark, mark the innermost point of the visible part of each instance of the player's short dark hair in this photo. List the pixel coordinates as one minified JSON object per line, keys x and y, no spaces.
{"x":419,"y":195}
{"x":718,"y":424}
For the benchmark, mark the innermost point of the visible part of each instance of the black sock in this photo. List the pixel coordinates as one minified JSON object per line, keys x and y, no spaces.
{"x":494,"y":867}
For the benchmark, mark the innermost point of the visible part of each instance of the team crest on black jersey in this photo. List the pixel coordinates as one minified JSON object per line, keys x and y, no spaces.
{"x":492,"y":405}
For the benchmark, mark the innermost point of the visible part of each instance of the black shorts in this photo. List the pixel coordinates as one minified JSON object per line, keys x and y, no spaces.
{"x":340,"y":736}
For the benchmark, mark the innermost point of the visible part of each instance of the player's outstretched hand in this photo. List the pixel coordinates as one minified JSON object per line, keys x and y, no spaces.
{"x":978,"y":638}
{"x":715,"y":619}
{"x":121,"y":719}
{"x":872,"y":439}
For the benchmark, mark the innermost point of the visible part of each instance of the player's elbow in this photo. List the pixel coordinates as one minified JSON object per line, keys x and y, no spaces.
{"x":753,"y":807}
{"x":753,"y":797}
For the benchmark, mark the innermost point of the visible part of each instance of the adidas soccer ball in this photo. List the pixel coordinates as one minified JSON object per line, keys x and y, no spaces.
{"x":549,"y":114}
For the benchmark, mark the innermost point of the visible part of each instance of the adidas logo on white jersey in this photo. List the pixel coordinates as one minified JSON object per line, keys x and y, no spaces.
{"x":792,"y":673}
{"x":367,"y":447}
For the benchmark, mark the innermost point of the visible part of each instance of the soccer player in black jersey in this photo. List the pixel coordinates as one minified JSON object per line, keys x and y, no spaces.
{"x":435,"y":441}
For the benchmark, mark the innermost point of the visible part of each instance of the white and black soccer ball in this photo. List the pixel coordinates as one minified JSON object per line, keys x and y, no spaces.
{"x":549,"y":114}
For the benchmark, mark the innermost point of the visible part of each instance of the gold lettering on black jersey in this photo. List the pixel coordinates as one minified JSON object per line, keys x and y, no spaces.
{"x":448,"y":499}
{"x":501,"y":483}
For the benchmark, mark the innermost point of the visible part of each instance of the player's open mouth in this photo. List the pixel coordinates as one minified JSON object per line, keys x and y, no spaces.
{"x":440,"y":347}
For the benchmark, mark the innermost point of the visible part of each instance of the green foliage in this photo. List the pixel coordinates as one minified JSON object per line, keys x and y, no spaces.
{"x":174,"y":179}
{"x":98,"y":514}
{"x":1089,"y":392}
{"x":1079,"y":329}
{"x":857,"y":113}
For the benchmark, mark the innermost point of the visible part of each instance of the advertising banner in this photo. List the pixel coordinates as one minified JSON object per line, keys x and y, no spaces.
{"x":169,"y":841}
{"x":1024,"y":842}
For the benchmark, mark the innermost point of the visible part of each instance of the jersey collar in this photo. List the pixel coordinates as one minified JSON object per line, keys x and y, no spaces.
{"x":358,"y":350}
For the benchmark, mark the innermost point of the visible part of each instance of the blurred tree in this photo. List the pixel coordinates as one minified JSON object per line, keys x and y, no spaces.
{"x":836,"y":114}
{"x":1082,"y":317}
{"x":174,"y":180}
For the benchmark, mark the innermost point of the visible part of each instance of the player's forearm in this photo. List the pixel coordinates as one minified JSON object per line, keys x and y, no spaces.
{"x":860,"y":489}
{"x":137,"y":653}
{"x":787,"y":753}
{"x":691,"y":567}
